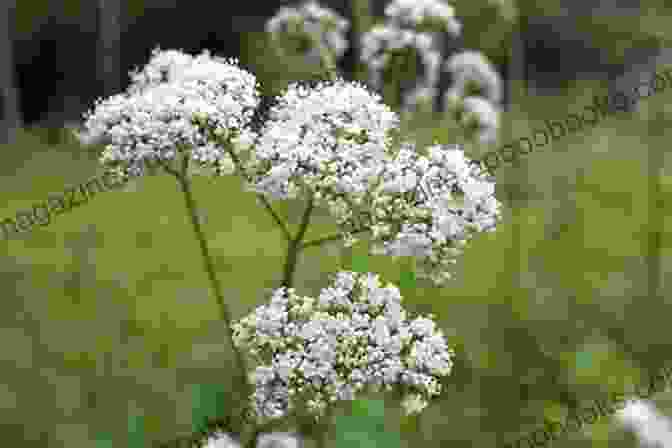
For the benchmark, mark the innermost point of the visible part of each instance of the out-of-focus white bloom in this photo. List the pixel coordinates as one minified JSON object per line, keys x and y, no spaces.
{"x":332,"y":138}
{"x":452,"y":102}
{"x":86,"y":138}
{"x":433,"y":14}
{"x":203,"y":98}
{"x":220,"y":440}
{"x":413,"y":404}
{"x":355,"y":336}
{"x":279,"y":440}
{"x":383,"y":43}
{"x":473,"y":75}
{"x":380,"y":41}
{"x":481,"y":117}
{"x":652,"y":428}
{"x":422,"y":97}
{"x":307,"y":22}
{"x":430,"y":207}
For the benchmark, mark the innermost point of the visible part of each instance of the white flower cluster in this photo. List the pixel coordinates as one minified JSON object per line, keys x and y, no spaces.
{"x":332,"y":138}
{"x":652,"y":428}
{"x":476,"y":94}
{"x":177,"y":103}
{"x":219,"y":439}
{"x":419,"y":14}
{"x":307,"y":24}
{"x":407,"y":49}
{"x":382,"y":43}
{"x":334,"y":142}
{"x":430,"y":207}
{"x":412,"y":33}
{"x":354,"y":336}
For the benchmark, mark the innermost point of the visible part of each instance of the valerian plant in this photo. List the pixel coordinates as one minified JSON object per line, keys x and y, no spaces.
{"x":336,"y":145}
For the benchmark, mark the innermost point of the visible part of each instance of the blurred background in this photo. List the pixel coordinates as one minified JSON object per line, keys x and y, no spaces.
{"x":109,"y":334}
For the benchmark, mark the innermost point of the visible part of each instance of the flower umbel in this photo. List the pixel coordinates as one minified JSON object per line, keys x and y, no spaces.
{"x":474,"y":76}
{"x":424,"y":14}
{"x":388,"y":50}
{"x":429,"y":207}
{"x":480,"y":117}
{"x":354,"y":337}
{"x":332,"y":138}
{"x":199,"y":103}
{"x":307,"y":25}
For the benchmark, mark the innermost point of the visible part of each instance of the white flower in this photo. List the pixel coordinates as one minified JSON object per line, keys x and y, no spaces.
{"x":382,"y":42}
{"x":307,"y":23}
{"x":356,"y":337}
{"x":438,"y":215}
{"x":418,"y":98}
{"x":220,"y":440}
{"x":472,"y":73}
{"x":413,"y":404}
{"x":416,"y":13}
{"x":481,"y":117}
{"x":333,"y":138}
{"x":279,"y":440}
{"x":200,"y":99}
{"x":652,"y":428}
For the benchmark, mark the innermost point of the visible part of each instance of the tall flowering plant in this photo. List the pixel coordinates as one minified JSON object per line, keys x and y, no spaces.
{"x":334,"y":144}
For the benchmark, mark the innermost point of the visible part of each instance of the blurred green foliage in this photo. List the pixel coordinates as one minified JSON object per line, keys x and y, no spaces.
{"x":208,"y":403}
{"x":109,"y":305}
{"x":525,"y":313}
{"x":365,"y":426}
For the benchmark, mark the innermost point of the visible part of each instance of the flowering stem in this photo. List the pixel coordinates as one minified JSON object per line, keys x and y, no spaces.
{"x":208,"y":265}
{"x":262,"y":198}
{"x":327,"y":59}
{"x":335,"y":237}
{"x":275,"y":216}
{"x":168,"y":168}
{"x":295,"y":246}
{"x":361,"y":22}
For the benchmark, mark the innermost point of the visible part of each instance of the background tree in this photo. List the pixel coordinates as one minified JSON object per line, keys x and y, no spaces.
{"x":10,"y":116}
{"x":109,"y":51}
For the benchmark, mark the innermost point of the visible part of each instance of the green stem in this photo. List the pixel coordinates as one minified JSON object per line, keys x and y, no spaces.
{"x":361,"y":22}
{"x":209,"y":269}
{"x":261,"y":197}
{"x":322,"y":431}
{"x":325,"y":239}
{"x":278,"y":220}
{"x":295,"y":246}
{"x":327,"y":59}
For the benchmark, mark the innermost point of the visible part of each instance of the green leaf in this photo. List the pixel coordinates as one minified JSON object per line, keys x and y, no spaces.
{"x":104,"y":440}
{"x":207,"y":402}
{"x":136,"y":431}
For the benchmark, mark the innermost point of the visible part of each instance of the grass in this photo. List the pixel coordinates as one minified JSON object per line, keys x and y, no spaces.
{"x":113,"y":294}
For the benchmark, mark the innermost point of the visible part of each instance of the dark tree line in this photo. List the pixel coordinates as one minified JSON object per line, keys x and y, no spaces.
{"x":67,"y":61}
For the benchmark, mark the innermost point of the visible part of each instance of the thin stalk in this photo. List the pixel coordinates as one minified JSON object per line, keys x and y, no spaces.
{"x":278,"y":220}
{"x":295,"y":246}
{"x":361,"y":11}
{"x":325,"y":239}
{"x":209,"y":269}
{"x":261,"y":197}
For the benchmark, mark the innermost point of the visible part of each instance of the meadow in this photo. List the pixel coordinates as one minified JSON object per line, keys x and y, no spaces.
{"x":111,"y":336}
